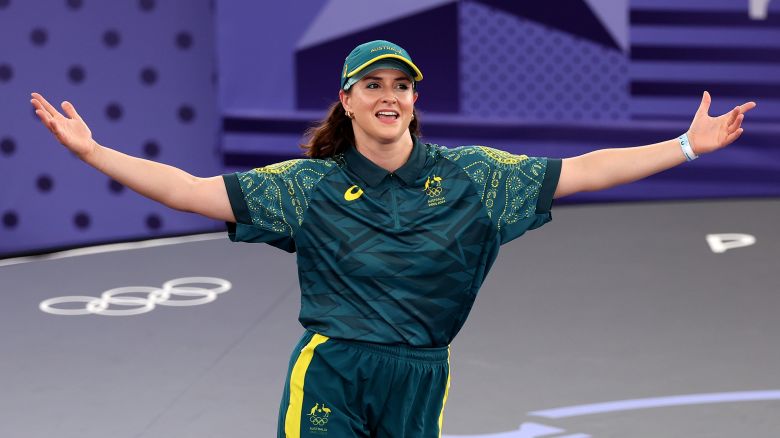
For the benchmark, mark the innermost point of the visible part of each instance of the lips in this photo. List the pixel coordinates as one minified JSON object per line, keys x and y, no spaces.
{"x":387,"y":115}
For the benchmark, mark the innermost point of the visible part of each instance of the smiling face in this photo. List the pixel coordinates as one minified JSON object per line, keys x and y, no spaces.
{"x":382,"y":104}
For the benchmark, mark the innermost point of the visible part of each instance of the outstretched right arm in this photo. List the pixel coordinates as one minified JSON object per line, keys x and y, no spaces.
{"x":168,"y":185}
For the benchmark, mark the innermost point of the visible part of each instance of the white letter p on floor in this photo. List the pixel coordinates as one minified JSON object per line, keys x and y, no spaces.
{"x":720,"y":243}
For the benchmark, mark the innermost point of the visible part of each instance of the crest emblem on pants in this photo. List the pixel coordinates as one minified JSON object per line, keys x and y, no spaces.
{"x":318,"y":417}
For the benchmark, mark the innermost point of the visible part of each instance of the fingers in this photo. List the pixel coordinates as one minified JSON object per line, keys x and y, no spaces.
{"x":38,"y":106}
{"x":704,"y":106}
{"x":736,"y":123}
{"x":44,"y":116}
{"x":46,"y":106}
{"x":49,"y":112}
{"x":732,"y":116}
{"x":745,"y":107}
{"x":70,"y":110}
{"x":734,"y":135}
{"x":736,"y":116}
{"x":48,"y":121}
{"x":734,"y":120}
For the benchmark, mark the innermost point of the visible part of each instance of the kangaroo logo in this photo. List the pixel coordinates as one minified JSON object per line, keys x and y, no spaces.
{"x":318,"y":416}
{"x":434,"y":189}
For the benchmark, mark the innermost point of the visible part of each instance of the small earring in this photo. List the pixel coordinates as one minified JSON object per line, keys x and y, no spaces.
{"x":349,"y":114}
{"x":412,"y":116}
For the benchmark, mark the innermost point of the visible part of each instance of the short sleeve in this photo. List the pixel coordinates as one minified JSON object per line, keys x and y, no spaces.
{"x":516,"y":190}
{"x":269,"y":202}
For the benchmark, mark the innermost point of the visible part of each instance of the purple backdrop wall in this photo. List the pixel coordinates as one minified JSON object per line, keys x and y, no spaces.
{"x":142,"y":73}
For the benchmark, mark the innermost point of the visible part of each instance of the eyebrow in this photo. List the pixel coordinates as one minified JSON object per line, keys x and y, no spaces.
{"x":377,"y":78}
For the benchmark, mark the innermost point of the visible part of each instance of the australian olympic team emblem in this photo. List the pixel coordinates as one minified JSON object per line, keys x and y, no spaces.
{"x":434,"y":190}
{"x":318,"y":416}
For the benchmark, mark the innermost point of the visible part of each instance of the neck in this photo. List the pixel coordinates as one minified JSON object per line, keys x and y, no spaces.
{"x":388,"y":156}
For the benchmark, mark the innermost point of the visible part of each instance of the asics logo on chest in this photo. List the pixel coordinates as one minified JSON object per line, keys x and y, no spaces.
{"x":353,"y":193}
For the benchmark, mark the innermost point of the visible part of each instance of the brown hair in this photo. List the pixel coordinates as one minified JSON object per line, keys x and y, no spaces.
{"x":334,"y":134}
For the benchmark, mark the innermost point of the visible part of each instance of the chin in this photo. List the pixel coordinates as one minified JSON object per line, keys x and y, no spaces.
{"x":388,"y":134}
{"x":390,"y":138}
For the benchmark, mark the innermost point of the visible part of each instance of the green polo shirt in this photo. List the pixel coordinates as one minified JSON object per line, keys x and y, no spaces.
{"x":394,"y":258}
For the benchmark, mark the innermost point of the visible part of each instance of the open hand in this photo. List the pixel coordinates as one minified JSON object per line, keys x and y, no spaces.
{"x":708,"y":134}
{"x":71,"y":131}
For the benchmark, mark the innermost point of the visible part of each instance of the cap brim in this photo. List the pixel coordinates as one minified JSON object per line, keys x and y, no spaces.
{"x":418,"y":74}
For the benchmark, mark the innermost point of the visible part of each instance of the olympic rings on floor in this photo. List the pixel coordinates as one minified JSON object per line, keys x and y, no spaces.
{"x":139,"y":305}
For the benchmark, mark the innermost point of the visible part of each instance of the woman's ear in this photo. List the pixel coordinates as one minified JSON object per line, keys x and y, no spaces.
{"x":344,"y":98}
{"x":416,"y":95}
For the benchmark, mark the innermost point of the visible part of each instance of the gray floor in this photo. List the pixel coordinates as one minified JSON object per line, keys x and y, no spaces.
{"x":604,"y":304}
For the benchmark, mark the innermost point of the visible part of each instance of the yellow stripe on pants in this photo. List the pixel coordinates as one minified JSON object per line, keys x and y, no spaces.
{"x":446,"y":392}
{"x":292,"y":419}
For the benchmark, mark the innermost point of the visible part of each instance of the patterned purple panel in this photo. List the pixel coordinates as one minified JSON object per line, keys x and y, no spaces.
{"x":430,"y":37}
{"x":575,"y":17}
{"x":514,"y":68}
{"x":142,"y":75}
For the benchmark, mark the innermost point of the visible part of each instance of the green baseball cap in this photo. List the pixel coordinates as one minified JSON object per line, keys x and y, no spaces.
{"x":377,"y":54}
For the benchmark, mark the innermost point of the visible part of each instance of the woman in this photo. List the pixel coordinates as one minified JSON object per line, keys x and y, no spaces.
{"x":394,"y":237}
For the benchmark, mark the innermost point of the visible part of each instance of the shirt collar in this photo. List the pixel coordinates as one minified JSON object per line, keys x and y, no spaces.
{"x":373,"y":174}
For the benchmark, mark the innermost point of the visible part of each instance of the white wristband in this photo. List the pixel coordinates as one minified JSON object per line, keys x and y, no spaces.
{"x":685,"y":144}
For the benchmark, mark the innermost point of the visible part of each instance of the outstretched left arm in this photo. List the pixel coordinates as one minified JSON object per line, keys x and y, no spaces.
{"x":607,"y":168}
